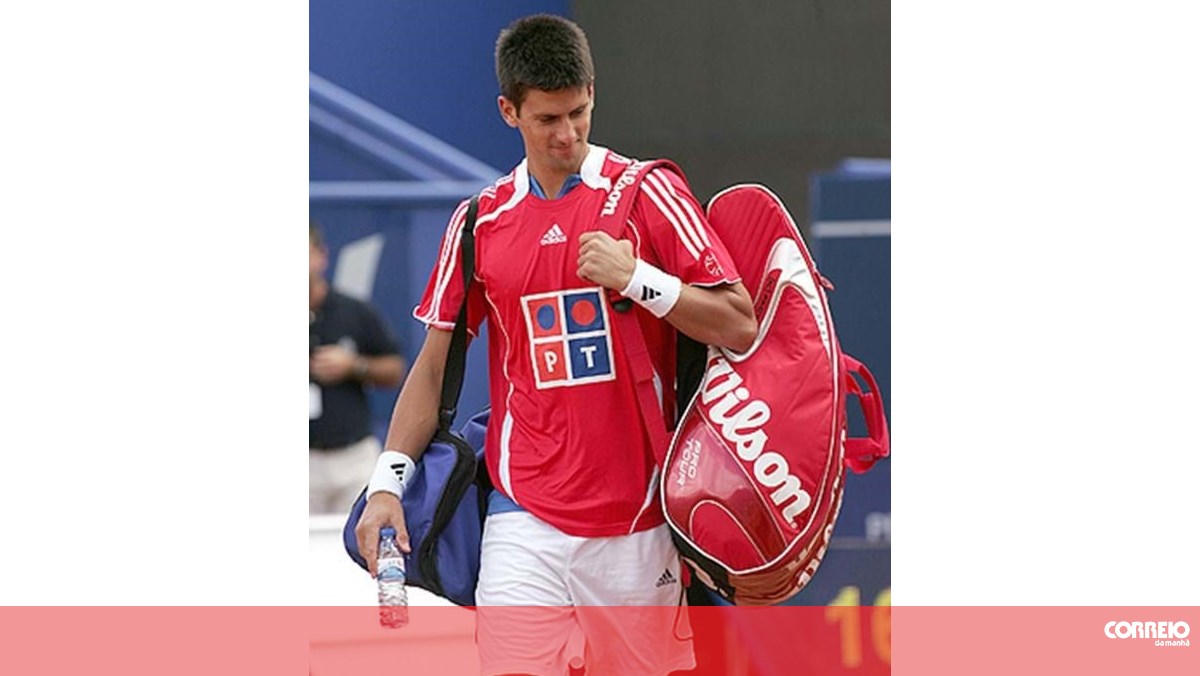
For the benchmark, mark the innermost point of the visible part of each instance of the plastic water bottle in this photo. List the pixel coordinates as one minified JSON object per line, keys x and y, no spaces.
{"x":393,"y":598}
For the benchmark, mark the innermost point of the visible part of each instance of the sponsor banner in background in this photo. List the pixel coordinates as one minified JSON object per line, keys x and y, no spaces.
{"x":858,"y":640}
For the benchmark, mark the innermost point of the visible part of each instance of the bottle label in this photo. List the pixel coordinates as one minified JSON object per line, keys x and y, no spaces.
{"x":392,"y":570}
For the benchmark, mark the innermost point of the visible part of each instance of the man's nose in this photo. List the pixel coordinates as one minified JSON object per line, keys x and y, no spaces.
{"x":565,"y":134}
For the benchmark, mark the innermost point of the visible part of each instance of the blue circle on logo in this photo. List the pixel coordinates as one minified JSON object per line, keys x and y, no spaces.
{"x":545,"y":317}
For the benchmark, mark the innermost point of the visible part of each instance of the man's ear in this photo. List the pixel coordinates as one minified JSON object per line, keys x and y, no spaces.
{"x":508,"y":111}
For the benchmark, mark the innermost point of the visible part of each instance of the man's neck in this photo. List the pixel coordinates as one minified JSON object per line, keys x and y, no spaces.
{"x":551,"y":183}
{"x":551,"y":180}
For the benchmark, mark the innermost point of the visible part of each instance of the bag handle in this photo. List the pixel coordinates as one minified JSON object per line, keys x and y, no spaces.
{"x":456,"y":358}
{"x":862,"y":453}
{"x":611,"y":221}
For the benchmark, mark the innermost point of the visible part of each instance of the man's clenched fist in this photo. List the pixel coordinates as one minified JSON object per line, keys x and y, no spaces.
{"x":606,"y":261}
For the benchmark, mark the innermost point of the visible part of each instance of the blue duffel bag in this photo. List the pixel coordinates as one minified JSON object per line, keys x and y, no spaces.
{"x":444,"y":503}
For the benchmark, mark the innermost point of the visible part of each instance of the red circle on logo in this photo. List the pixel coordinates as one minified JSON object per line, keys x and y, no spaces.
{"x":583,"y":312}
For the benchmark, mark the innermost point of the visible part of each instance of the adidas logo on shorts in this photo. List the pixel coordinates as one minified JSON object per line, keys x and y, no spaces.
{"x":665,"y":579}
{"x":554,"y":235}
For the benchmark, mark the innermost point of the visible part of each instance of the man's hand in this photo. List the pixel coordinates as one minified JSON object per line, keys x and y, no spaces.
{"x":331,"y":364}
{"x":383,"y":509}
{"x":606,"y":261}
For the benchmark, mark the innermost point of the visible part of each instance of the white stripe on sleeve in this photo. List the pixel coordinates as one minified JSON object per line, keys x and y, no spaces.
{"x":697,"y":222}
{"x":690,"y":221}
{"x":448,"y":255}
{"x":670,"y":216}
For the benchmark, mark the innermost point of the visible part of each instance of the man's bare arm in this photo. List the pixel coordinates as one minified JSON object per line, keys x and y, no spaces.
{"x":720,"y":315}
{"x":414,"y":421}
{"x":415,"y":416}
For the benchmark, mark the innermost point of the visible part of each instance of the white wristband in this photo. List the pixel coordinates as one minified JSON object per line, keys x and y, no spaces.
{"x":393,"y":470}
{"x":653,"y":289}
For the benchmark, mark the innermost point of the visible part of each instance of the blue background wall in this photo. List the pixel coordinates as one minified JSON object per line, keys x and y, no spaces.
{"x":429,"y":63}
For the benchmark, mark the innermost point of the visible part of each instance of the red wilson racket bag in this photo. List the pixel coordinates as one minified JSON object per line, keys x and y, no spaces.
{"x":753,"y":478}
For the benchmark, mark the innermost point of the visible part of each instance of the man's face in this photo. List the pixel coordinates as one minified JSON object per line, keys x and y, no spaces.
{"x":554,"y":126}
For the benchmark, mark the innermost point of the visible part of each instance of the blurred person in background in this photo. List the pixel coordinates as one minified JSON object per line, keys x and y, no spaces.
{"x":350,"y":349}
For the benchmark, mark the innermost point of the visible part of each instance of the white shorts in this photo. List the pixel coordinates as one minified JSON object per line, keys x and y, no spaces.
{"x":549,"y":602}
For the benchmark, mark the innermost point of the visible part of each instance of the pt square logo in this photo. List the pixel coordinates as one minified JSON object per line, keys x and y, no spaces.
{"x":569,"y":338}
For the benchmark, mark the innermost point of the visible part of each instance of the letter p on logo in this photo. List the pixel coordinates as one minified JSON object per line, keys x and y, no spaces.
{"x":550,"y":362}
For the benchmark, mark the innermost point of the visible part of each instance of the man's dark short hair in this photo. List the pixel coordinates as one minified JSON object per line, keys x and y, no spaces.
{"x":543,"y":52}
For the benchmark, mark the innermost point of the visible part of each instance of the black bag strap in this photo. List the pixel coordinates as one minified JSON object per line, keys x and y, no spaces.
{"x":465,"y":470}
{"x":456,"y":359}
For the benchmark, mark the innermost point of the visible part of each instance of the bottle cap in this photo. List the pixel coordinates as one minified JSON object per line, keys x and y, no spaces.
{"x":387,"y":532}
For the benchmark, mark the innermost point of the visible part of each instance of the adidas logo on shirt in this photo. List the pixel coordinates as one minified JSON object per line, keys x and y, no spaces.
{"x":665,"y":579}
{"x":554,"y":236}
